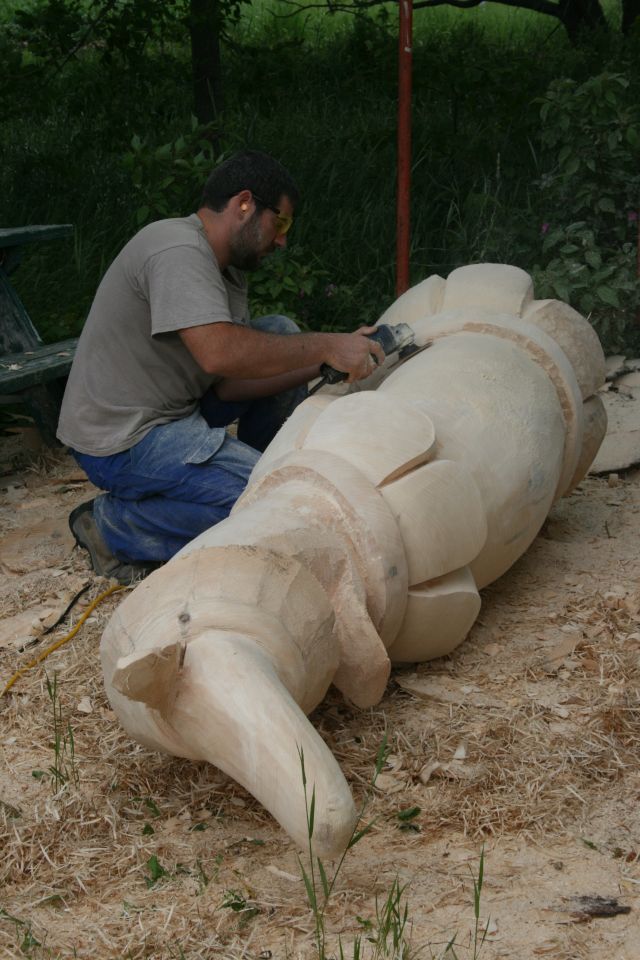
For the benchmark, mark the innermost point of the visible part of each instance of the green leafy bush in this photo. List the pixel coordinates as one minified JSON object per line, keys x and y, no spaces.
{"x":591,"y":198}
{"x":168,"y":179}
{"x":286,"y":284}
{"x":51,"y":29}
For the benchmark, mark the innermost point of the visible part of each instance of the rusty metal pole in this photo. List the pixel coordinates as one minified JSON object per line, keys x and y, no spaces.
{"x":405,"y":57}
{"x":638,"y":260}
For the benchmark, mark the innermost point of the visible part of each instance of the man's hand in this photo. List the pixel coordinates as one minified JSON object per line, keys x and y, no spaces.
{"x":354,"y":354}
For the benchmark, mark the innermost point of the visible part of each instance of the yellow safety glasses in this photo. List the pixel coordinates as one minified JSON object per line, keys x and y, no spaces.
{"x":283,"y":222}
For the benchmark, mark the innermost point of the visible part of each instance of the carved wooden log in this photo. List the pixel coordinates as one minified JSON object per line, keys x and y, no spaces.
{"x":363,"y":537}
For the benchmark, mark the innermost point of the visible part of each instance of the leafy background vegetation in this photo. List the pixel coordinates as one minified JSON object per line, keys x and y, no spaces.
{"x":526,"y":148}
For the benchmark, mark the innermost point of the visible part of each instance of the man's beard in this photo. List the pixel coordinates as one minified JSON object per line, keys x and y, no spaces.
{"x":247,"y":246}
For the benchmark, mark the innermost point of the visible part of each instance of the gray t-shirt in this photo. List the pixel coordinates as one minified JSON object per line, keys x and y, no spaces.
{"x":131,"y":370}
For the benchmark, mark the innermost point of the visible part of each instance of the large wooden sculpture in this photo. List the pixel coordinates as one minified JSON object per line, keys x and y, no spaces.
{"x":366,"y":531}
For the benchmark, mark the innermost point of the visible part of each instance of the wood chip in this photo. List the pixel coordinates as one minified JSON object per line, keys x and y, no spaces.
{"x":444,"y":689}
{"x":629,"y":379}
{"x":621,"y":446}
{"x":283,"y":874}
{"x":388,"y":783}
{"x":585,"y":907}
{"x":554,"y":657}
{"x":614,"y":365}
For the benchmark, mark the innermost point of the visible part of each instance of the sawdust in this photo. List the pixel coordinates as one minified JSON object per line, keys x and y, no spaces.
{"x":525,"y":740}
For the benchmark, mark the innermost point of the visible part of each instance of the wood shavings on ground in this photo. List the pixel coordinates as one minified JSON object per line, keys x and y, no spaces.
{"x":621,"y":397}
{"x":525,"y":740}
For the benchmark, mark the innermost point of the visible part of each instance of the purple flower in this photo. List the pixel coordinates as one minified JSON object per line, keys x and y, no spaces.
{"x":632,"y":216}
{"x":544,"y":228}
{"x":330,"y":289}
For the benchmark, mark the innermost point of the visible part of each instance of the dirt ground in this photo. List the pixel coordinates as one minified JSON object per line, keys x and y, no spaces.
{"x":524,"y":742}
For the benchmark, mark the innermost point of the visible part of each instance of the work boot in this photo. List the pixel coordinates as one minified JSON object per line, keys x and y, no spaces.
{"x":105,"y":563}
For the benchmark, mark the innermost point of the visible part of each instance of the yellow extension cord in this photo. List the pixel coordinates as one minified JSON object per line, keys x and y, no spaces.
{"x":59,"y":643}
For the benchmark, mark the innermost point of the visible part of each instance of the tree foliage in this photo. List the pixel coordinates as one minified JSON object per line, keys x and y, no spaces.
{"x":575,"y":16}
{"x":58,"y":30}
{"x":524,"y":148}
{"x":591,"y":194}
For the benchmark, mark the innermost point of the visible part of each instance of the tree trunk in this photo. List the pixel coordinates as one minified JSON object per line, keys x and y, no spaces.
{"x":630,"y":13}
{"x":204,"y":29}
{"x":579,"y":15}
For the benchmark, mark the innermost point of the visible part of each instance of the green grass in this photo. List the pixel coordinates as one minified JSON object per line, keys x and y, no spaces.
{"x":64,"y":768}
{"x":386,"y":935}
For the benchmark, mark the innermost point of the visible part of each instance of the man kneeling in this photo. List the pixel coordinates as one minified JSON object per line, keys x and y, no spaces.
{"x":169,"y":356}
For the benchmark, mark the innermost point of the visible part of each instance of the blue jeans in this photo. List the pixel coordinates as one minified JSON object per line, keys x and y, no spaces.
{"x":185,"y":476}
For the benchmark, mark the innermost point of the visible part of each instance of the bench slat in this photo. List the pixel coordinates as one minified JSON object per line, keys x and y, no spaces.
{"x":18,"y":371}
{"x":31,"y":373}
{"x":17,"y":236}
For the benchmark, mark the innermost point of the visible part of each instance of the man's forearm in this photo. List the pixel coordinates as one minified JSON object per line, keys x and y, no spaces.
{"x":237,"y":390}
{"x":236,"y":352}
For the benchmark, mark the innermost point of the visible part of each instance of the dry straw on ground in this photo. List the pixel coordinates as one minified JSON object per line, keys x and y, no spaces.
{"x":526,"y":739}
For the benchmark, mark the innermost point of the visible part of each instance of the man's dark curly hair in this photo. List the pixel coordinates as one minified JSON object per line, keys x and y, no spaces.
{"x":249,"y":170}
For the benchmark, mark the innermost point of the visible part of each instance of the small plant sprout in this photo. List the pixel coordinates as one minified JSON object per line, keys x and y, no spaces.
{"x":152,"y":806}
{"x":202,"y":877}
{"x":477,"y":894}
{"x":156,"y":871}
{"x":64,"y":768}
{"x":407,"y":819}
{"x":25,"y":939}
{"x":246,"y":909}
{"x":387,"y":933}
{"x":480,"y":930}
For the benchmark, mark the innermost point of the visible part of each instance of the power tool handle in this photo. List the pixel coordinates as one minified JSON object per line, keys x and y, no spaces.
{"x":331,"y":375}
{"x":381,"y":335}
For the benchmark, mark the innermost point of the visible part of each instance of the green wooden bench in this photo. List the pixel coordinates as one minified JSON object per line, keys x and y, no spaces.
{"x":31,"y":373}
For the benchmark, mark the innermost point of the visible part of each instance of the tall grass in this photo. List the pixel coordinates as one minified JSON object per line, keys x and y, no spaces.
{"x":319,"y":91}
